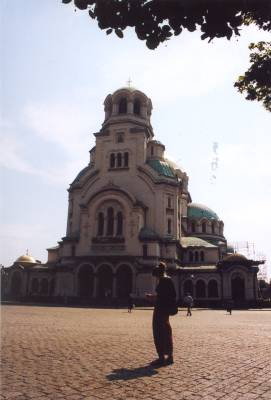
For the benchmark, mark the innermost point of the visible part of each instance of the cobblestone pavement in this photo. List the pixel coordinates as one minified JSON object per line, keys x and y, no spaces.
{"x":93,"y":354}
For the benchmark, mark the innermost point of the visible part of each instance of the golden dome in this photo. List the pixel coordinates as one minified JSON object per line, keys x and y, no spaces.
{"x":26,"y":259}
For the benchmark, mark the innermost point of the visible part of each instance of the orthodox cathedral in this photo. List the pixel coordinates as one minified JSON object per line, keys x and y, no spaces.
{"x":130,"y":208}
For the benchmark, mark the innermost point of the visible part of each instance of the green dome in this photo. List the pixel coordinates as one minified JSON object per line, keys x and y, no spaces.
{"x":162,"y":167}
{"x":195,"y":210}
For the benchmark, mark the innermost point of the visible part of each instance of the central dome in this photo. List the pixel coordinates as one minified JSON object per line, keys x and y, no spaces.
{"x":196,"y":210}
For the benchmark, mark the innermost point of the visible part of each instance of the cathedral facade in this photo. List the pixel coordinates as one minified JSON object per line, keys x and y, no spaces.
{"x":130,"y":208}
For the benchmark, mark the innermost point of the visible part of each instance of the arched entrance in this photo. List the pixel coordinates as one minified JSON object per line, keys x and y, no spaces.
{"x":16,"y":285}
{"x":212,"y":288}
{"x":85,"y":281}
{"x":124,"y":279}
{"x":44,"y":287}
{"x":188,"y":288}
{"x":238,"y":288}
{"x":200,"y":289}
{"x":105,"y":282}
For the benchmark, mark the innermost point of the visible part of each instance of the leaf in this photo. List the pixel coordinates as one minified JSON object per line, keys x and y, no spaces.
{"x":119,"y":33}
{"x":108,"y":31}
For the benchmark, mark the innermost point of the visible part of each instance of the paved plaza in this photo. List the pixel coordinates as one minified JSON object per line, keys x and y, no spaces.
{"x":83,"y":353}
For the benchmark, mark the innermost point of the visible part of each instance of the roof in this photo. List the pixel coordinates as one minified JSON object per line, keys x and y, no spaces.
{"x":235,"y":257}
{"x":196,"y":210}
{"x":162,"y":167}
{"x":81,"y":173}
{"x":26,"y":259}
{"x":148,"y":234}
{"x":129,"y":88}
{"x":191,"y":241}
{"x":199,"y":267}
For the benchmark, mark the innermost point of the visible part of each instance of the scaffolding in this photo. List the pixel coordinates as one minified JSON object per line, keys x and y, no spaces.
{"x":249,"y":251}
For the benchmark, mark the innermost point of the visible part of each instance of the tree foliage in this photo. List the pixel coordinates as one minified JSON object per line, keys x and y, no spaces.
{"x":256,"y":82}
{"x":156,"y":21}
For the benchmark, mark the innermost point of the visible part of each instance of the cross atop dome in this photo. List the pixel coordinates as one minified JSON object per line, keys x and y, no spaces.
{"x":129,"y":82}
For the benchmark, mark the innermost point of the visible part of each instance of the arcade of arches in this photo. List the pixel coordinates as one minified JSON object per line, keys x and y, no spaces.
{"x":104,"y":283}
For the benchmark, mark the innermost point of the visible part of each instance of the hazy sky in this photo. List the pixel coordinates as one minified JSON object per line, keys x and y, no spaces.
{"x":57,"y":67}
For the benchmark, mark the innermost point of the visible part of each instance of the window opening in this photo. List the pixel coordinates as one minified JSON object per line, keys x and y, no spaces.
{"x":137,"y":107}
{"x":169,"y":227}
{"x":119,"y":160}
{"x":119,"y":223}
{"x":123,"y":106}
{"x":110,"y":221}
{"x":112,"y":160}
{"x":100,"y":224}
{"x":145,"y":250}
{"x":126,"y":159}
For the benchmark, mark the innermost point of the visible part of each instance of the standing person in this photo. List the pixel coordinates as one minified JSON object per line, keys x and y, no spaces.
{"x":130,"y":303}
{"x":188,"y":301}
{"x":164,"y":304}
{"x":229,"y":306}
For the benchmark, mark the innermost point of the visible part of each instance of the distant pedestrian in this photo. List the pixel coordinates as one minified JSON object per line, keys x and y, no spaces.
{"x":229,"y":306}
{"x":188,"y":301}
{"x":165,"y":305}
{"x":130,"y":303}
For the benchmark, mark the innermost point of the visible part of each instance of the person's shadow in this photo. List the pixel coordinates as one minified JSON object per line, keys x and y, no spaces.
{"x":133,"y":373}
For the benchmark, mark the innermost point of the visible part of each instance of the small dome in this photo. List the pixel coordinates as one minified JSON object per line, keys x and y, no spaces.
{"x":26,"y":259}
{"x":195,"y":210}
{"x":129,"y":88}
{"x":235,"y":257}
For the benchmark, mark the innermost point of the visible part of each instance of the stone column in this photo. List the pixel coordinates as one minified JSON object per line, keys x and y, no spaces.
{"x":95,"y":286}
{"x":130,"y":107}
{"x":115,"y":109}
{"x":114,"y":294}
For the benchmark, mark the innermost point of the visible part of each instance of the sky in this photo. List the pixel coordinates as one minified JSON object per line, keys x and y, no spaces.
{"x":57,"y":67}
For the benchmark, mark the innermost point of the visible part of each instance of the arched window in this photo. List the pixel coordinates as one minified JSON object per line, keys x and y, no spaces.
{"x":123,"y":106}
{"x":100,"y":224}
{"x":35,"y":285}
{"x":191,"y":256}
{"x":200,"y":289}
{"x":119,"y":160}
{"x":212,"y":288}
{"x":112,"y":160}
{"x":152,"y":151}
{"x":221,"y":228}
{"x":126,"y":159}
{"x":119,"y":223}
{"x":110,"y":221}
{"x":137,"y":107}
{"x":169,"y":226}
{"x":193,"y":227}
{"x":202,"y":256}
{"x":188,"y":288}
{"x":44,"y":286}
{"x":204,"y":227}
{"x":196,"y":256}
{"x":145,"y":250}
{"x":213,"y":227}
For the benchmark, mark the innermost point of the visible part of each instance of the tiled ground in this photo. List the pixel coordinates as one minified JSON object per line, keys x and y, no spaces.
{"x":80,"y":353}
